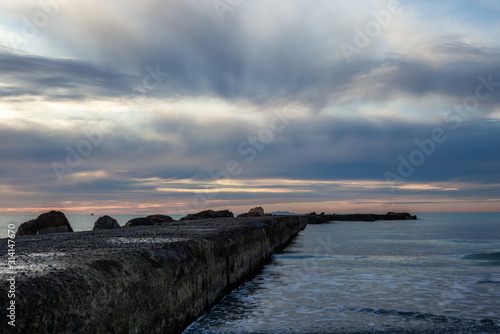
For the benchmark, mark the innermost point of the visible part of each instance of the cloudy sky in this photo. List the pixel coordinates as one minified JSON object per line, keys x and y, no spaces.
{"x":150,"y":106}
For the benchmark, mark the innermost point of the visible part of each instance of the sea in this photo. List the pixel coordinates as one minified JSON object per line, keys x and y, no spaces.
{"x":437,"y":274}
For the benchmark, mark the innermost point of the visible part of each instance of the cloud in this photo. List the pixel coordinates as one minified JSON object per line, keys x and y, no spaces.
{"x":55,"y":79}
{"x":292,"y":53}
{"x":321,"y":149}
{"x":185,"y":93}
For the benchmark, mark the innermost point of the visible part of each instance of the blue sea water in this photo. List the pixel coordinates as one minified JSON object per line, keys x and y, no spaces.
{"x":438,"y":274}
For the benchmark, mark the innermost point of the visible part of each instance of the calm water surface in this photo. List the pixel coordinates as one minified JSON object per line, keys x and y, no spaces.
{"x":439,"y":274}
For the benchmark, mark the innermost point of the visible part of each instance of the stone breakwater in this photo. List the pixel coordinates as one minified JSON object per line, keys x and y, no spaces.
{"x":322,"y":218}
{"x":145,"y":279}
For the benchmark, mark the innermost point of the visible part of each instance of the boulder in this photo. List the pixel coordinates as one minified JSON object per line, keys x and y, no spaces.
{"x":208,"y":214}
{"x":255,"y":212}
{"x":45,"y":221}
{"x":49,"y":230}
{"x":139,"y":222}
{"x":106,"y":222}
{"x":158,"y":219}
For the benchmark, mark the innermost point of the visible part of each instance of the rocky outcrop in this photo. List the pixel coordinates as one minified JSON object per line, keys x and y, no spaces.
{"x":255,"y":212}
{"x":208,"y":214}
{"x":313,"y":218}
{"x":158,"y":219}
{"x":106,"y":223}
{"x":401,"y":216}
{"x":50,"y":230}
{"x":45,"y":222}
{"x":139,"y":222}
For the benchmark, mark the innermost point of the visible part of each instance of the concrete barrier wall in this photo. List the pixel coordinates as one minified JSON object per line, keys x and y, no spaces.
{"x":137,"y":289}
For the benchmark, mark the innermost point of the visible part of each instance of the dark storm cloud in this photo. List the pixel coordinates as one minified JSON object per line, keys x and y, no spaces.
{"x":295,"y":58}
{"x":23,"y":75}
{"x":283,"y":73}
{"x":201,"y":54}
{"x":335,"y":150}
{"x":324,"y":151}
{"x":415,"y":78}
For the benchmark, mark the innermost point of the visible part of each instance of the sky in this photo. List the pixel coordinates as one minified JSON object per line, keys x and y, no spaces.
{"x":125,"y":107}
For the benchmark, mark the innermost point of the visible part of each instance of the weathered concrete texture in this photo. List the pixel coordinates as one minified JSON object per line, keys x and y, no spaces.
{"x":145,"y":279}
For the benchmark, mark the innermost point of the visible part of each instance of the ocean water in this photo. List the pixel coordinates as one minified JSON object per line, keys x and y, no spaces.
{"x":439,"y":274}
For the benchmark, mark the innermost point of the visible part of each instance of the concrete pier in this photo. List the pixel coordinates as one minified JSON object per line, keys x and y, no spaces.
{"x":145,"y":279}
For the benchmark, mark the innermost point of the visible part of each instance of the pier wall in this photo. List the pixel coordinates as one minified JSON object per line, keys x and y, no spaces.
{"x":148,"y":279}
